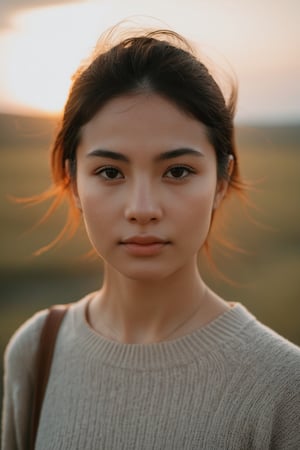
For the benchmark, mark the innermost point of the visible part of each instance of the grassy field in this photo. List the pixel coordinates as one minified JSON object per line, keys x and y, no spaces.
{"x":265,"y":278}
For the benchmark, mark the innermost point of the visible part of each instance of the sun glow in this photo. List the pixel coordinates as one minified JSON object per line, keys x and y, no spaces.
{"x":41,"y":48}
{"x":45,"y":52}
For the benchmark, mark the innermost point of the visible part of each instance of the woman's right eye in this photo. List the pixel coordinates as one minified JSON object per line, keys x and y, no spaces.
{"x":110,"y":173}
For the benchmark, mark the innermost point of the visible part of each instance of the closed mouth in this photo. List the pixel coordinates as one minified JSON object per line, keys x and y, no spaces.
{"x":144,"y":246}
{"x":144,"y":241}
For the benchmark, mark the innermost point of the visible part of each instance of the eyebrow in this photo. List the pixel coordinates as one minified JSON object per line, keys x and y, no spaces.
{"x":108,"y":154}
{"x":178,"y":152}
{"x":101,"y":153}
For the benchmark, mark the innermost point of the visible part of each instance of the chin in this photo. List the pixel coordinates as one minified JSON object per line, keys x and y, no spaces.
{"x":145,"y":274}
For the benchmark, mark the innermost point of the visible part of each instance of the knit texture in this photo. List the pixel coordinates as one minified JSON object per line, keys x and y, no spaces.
{"x":233,"y":384}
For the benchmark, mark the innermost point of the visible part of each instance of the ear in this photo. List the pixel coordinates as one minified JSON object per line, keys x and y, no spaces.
{"x":73,"y":184}
{"x":222,"y":185}
{"x":221,"y":190}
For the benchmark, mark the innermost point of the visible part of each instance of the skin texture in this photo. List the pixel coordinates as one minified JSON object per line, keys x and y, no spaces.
{"x":162,"y":203}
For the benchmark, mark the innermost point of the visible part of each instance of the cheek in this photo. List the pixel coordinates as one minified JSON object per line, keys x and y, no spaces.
{"x":93,"y":199}
{"x":199,"y":212}
{"x":99,"y":226}
{"x":198,"y":199}
{"x":196,"y":211}
{"x":98,"y":210}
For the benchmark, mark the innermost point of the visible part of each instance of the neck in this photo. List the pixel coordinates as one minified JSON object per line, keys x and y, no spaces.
{"x":135,"y":311}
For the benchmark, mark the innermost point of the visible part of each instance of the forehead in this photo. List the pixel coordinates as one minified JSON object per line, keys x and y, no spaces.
{"x":146,"y":120}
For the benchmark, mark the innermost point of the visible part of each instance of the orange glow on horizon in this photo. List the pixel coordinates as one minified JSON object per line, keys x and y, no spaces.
{"x":42,"y":60}
{"x":45,"y":45}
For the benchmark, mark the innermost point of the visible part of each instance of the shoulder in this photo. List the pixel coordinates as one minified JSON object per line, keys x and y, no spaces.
{"x":269,"y":347}
{"x":23,"y":344}
{"x":271,"y":358}
{"x":275,"y":364}
{"x":265,"y":368}
{"x":18,"y":381}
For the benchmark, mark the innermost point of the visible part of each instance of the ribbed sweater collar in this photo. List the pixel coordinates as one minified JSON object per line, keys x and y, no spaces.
{"x":206,"y":340}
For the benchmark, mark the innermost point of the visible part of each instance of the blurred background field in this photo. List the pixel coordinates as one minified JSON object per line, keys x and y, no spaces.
{"x":266,"y":276}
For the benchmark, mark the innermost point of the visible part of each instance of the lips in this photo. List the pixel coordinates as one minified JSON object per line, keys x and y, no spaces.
{"x":144,"y":240}
{"x":144,"y":245}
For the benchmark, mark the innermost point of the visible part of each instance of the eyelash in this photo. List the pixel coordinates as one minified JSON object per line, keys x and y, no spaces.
{"x":104,"y":171}
{"x":187,"y":169}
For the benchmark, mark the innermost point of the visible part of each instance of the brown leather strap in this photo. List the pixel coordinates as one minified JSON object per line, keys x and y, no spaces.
{"x":43,"y":363}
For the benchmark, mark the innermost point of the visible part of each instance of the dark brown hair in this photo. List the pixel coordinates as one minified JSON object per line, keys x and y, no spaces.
{"x":161,"y":62}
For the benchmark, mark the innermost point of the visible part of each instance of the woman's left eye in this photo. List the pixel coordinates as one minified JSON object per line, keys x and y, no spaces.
{"x":178,"y":172}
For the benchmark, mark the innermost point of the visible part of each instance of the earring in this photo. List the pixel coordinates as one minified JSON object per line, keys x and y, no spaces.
{"x":230,"y":163}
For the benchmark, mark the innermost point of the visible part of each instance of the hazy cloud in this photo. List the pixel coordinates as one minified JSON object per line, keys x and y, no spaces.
{"x":10,"y":7}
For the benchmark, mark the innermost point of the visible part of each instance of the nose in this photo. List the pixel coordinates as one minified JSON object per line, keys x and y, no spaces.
{"x":143,"y":204}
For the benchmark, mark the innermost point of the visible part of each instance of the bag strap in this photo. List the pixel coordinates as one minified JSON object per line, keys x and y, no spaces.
{"x":43,"y":363}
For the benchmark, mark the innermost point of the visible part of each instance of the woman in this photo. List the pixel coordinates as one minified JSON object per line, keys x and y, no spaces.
{"x":154,"y":359}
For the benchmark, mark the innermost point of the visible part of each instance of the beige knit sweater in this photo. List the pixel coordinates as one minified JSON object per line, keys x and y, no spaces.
{"x":233,"y":384}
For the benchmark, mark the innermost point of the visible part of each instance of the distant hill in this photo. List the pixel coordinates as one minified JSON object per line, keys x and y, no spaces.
{"x":269,"y":136}
{"x":17,"y":131}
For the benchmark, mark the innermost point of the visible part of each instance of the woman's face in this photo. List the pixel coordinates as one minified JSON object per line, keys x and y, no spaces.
{"x":147,"y":185}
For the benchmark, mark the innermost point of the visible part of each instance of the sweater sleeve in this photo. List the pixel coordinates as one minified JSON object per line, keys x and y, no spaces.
{"x":286,"y":423}
{"x":18,"y":384}
{"x":273,"y":365}
{"x":283,"y":379}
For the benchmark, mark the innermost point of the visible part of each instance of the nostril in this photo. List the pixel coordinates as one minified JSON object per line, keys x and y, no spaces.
{"x":143,"y":215}
{"x":142,"y":219}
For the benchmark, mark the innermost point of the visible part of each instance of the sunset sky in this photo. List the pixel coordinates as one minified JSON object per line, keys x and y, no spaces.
{"x":42,"y":42}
